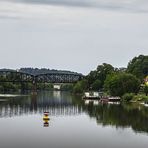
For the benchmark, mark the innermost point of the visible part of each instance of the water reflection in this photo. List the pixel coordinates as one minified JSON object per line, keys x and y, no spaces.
{"x":46,"y":119}
{"x":120,"y":116}
{"x":63,"y":104}
{"x":56,"y":103}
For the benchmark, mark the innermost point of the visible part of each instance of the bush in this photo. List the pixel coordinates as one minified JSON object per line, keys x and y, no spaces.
{"x":140,"y":97}
{"x":128,"y":97}
{"x":146,"y":90}
{"x":78,"y":89}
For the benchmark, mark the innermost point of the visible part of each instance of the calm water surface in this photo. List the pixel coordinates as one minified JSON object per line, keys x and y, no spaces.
{"x":73,"y":123}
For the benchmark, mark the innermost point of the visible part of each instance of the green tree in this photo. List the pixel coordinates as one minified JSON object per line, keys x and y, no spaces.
{"x":91,"y":77}
{"x":146,"y":89}
{"x":67,"y":87}
{"x":104,"y":70}
{"x":120,"y":83}
{"x":80,"y":86}
{"x":96,"y":85}
{"x":138,"y":66}
{"x":99,"y":75}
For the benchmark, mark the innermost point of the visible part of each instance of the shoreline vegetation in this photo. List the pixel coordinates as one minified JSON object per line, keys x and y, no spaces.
{"x":130,"y":83}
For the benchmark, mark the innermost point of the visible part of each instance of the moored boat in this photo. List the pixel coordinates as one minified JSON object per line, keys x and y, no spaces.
{"x":146,"y":104}
{"x":110,"y":99}
{"x":91,"y":95}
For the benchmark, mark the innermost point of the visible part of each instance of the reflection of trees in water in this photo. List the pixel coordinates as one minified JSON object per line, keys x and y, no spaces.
{"x":120,"y":116}
{"x":55,"y":102}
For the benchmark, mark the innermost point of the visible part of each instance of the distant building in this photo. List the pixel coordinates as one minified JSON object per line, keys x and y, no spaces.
{"x":57,"y":86}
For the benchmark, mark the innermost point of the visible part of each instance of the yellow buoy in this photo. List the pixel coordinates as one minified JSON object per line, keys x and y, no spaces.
{"x":46,"y":116}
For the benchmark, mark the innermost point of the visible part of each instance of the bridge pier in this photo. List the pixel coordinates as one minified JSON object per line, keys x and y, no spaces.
{"x":23,"y":88}
{"x":34,"y":87}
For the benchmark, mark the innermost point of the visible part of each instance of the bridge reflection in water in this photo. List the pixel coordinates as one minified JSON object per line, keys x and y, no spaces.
{"x":56,"y":103}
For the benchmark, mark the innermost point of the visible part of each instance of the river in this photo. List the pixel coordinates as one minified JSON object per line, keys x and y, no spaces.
{"x":73,"y":123}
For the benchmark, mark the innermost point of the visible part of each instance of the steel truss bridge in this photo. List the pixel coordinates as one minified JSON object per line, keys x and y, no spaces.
{"x":50,"y":77}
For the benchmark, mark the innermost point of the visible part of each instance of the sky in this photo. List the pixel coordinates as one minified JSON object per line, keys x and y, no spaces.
{"x":76,"y":35}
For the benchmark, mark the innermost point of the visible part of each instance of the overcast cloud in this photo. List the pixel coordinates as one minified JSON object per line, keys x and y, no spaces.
{"x":72,"y":34}
{"x":132,"y":5}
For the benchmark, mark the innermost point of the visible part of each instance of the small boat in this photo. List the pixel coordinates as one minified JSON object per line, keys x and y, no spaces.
{"x":91,"y":96}
{"x":145,"y":103}
{"x":110,"y":99}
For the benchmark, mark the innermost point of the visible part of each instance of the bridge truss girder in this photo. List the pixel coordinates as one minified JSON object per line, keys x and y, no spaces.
{"x":14,"y":76}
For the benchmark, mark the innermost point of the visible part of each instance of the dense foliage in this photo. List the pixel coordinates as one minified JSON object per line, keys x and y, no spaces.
{"x":138,"y":66}
{"x":80,"y":86}
{"x":146,"y":89}
{"x":127,"y":97}
{"x":97,"y":77}
{"x":117,"y":81}
{"x":121,"y":83}
{"x":67,"y":87}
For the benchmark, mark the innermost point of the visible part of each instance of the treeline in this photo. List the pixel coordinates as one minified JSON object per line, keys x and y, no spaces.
{"x":36,"y":71}
{"x":113,"y":81}
{"x":15,"y":87}
{"x":117,"y":81}
{"x":18,"y":87}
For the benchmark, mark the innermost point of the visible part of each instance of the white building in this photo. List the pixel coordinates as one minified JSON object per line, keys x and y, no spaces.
{"x":57,"y":86}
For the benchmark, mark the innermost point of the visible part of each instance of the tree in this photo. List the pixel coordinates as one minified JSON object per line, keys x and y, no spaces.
{"x":104,"y":70}
{"x":99,"y":75}
{"x":96,"y":85}
{"x":67,"y":87}
{"x":120,"y":83}
{"x":91,"y":77}
{"x":80,"y":86}
{"x":146,"y":89}
{"x":138,"y":66}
